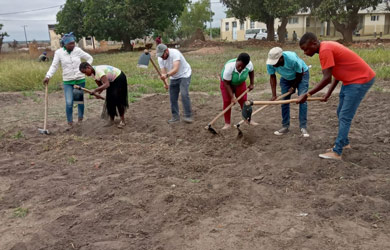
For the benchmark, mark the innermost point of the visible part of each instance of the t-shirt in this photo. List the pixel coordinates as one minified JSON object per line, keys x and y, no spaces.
{"x":175,"y":55}
{"x":348,"y":67}
{"x":230,"y":73}
{"x":106,"y":70}
{"x":292,"y":65}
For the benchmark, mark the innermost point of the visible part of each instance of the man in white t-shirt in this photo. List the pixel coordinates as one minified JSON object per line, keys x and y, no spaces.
{"x":174,"y":66}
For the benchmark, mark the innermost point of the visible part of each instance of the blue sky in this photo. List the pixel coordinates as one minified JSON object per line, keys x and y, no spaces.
{"x":37,"y":21}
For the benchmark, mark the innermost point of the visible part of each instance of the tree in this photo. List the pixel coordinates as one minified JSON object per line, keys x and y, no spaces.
{"x":265,"y":11}
{"x":118,"y":20}
{"x":2,"y":35}
{"x":343,"y":14}
{"x":195,"y":16}
{"x":70,"y":18}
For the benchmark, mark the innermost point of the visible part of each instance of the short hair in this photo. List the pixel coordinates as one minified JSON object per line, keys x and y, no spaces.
{"x":307,"y":37}
{"x":84,"y":65}
{"x":244,"y":57}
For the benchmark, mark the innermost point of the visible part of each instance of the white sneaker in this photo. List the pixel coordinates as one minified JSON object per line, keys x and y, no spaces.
{"x":304,"y":132}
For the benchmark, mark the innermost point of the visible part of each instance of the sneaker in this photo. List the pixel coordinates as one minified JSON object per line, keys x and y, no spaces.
{"x":188,"y":119}
{"x":281,"y":131}
{"x":304,"y":132}
{"x":330,"y":155}
{"x":173,"y":120}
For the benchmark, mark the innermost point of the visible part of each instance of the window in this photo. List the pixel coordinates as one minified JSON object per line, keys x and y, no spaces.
{"x":234,"y":24}
{"x":374,"y":18}
{"x":307,"y":21}
{"x":252,"y":25}
{"x":227,"y":26}
{"x":242,"y":25}
{"x":293,"y":20}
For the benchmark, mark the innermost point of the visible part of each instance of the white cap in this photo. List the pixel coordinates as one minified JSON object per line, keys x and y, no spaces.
{"x":274,"y":55}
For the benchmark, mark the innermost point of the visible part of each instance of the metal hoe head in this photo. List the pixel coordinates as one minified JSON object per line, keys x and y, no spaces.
{"x":211,"y":129}
{"x":240,"y":134}
{"x":43,"y":131}
{"x":247,"y":111}
{"x":143,"y":61}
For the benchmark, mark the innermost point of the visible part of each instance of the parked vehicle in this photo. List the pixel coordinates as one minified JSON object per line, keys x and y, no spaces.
{"x":260,"y":34}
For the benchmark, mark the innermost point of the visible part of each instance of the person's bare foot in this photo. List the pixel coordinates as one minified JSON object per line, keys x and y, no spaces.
{"x":253,"y":123}
{"x":227,"y":126}
{"x":122,"y":124}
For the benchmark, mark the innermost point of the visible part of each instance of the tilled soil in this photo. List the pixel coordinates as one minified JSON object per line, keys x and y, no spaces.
{"x":157,"y":186}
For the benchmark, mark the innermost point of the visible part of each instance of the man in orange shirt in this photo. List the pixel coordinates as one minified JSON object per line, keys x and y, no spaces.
{"x":346,"y":66}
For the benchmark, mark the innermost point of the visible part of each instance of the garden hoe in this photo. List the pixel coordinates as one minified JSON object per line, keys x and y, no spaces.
{"x":247,"y":109}
{"x":237,"y":126}
{"x":89,"y":92}
{"x":209,"y":126}
{"x":44,"y":130}
{"x":143,"y":62}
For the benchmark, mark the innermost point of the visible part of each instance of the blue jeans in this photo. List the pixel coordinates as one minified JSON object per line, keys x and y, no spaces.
{"x":303,"y":87}
{"x":350,"y":98}
{"x":68,"y":91}
{"x":180,"y":85}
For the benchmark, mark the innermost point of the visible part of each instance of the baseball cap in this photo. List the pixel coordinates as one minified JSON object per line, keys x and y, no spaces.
{"x":160,"y":49}
{"x":274,"y":55}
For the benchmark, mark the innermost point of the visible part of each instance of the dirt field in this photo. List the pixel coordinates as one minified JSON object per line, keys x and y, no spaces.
{"x":156,"y":186}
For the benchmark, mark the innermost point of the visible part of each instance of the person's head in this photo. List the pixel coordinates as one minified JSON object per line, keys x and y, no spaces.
{"x":44,"y":53}
{"x":309,"y":44}
{"x":242,"y":60}
{"x":162,"y":51}
{"x":275,"y":57}
{"x":68,"y":40}
{"x":86,"y":68}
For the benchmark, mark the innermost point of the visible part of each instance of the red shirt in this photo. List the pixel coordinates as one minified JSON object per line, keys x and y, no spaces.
{"x":348,"y":67}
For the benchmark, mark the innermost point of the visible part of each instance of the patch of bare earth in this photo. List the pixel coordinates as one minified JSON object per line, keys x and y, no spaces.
{"x":159,"y":186}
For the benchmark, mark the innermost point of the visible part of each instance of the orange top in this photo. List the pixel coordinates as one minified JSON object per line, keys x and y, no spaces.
{"x":348,"y":67}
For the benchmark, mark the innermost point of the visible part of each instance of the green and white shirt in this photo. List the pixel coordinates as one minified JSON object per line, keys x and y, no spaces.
{"x":230,"y":73}
{"x":106,"y":70}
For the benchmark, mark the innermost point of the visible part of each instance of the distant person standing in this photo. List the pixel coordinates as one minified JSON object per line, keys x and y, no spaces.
{"x":43,"y":57}
{"x":174,"y":66}
{"x":69,"y":56}
{"x":295,"y":36}
{"x":158,"y":40}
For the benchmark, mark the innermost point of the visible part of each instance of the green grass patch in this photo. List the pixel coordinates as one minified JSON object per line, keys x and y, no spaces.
{"x":20,"y":212}
{"x":18,"y":135}
{"x":25,"y":74}
{"x":72,"y":160}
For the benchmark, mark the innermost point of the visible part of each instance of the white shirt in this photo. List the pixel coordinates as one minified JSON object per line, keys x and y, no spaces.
{"x":230,"y":67}
{"x":175,"y":55}
{"x":70,"y":63}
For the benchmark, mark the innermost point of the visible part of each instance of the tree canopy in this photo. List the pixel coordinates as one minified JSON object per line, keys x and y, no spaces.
{"x":118,"y":20}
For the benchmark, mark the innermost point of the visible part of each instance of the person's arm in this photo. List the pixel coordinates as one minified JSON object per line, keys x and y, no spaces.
{"x":104,"y":84}
{"x":53,"y":68}
{"x":330,"y":90}
{"x":297,"y":80}
{"x":251,"y":80}
{"x":272,"y":82}
{"x":86,"y":56}
{"x":173,"y":71}
{"x":326,"y":79}
{"x":163,"y":71}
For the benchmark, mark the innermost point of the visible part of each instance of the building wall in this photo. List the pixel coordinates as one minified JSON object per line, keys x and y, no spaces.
{"x":54,"y":40}
{"x":370,"y":26}
{"x":228,"y":35}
